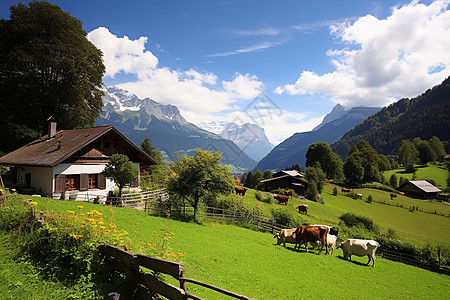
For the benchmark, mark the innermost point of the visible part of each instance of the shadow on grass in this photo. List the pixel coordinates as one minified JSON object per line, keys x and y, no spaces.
{"x":352,"y":261}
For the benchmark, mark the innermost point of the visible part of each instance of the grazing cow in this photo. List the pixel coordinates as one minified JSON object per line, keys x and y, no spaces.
{"x":332,"y":230}
{"x":344,"y":190}
{"x":331,"y":241}
{"x":359,"y":248}
{"x":308,"y":234}
{"x":282,"y":199}
{"x":303,"y":208}
{"x":359,"y":196}
{"x":288,"y":193}
{"x":240,"y":190}
{"x":285,"y":236}
{"x":393,"y":196}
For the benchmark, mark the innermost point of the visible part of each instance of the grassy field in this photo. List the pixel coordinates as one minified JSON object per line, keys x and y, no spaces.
{"x":417,"y":227}
{"x":438,"y":173}
{"x":249,"y":262}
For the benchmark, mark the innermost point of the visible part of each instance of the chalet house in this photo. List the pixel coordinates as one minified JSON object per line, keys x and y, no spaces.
{"x":66,"y":164}
{"x":419,"y":189}
{"x":287,"y":180}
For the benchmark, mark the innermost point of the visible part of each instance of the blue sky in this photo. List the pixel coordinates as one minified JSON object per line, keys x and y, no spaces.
{"x":281,"y":65}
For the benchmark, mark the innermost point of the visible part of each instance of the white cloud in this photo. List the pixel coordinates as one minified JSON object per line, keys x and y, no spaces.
{"x":195,"y":93}
{"x":384,"y":59}
{"x":123,"y":54}
{"x":253,"y":48}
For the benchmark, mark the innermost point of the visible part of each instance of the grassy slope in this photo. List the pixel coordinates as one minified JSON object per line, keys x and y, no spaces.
{"x":436,"y":172}
{"x":249,"y":263}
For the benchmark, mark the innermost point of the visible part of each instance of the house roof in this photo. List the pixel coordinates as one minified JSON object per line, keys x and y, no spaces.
{"x":49,"y":152}
{"x":283,"y":176}
{"x":292,"y":173}
{"x":424,"y":186}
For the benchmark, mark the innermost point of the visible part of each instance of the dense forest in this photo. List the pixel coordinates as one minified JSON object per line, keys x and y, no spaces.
{"x":424,"y":116}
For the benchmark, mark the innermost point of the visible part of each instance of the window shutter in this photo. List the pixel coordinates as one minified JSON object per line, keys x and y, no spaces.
{"x":101,"y":182}
{"x":60,"y":183}
{"x":84,"y":182}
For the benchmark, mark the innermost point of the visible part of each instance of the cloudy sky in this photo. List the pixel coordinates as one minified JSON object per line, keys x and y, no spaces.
{"x":282,"y":65}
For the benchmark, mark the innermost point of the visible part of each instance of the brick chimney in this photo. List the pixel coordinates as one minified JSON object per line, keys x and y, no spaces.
{"x":51,"y":127}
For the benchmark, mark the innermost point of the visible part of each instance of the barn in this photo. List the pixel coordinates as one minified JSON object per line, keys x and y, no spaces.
{"x":419,"y":189}
{"x":287,"y":180}
{"x":66,"y":164}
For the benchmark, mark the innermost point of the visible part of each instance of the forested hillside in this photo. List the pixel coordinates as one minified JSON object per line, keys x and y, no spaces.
{"x":424,"y":116}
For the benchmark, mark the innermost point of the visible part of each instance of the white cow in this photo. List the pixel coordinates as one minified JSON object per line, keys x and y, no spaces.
{"x":359,"y":248}
{"x":285,"y":236}
{"x":331,"y":241}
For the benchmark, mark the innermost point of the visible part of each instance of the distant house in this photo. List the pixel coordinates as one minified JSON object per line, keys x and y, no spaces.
{"x":287,"y":180}
{"x":419,"y":189}
{"x":67,"y":163}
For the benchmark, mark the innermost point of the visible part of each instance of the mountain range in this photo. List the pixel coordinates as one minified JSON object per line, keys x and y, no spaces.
{"x":250,"y":138}
{"x":293,"y":150}
{"x":166,"y":128}
{"x":424,"y":116}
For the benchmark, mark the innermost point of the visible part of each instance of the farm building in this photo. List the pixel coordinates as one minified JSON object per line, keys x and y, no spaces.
{"x":67,"y":164}
{"x":286,"y":180}
{"x":419,"y":189}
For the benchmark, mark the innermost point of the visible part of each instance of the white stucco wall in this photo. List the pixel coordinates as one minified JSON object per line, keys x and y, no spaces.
{"x":41,"y":178}
{"x":69,"y":169}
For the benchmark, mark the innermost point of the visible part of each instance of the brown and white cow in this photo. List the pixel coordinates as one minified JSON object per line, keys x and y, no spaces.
{"x":309,"y":234}
{"x":359,"y":248}
{"x":285,"y":236}
{"x":288,"y":193}
{"x":331,"y":241}
{"x":240,"y":190}
{"x":282,"y":199}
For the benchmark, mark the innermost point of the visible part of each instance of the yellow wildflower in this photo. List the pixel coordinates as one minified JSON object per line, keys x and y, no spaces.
{"x":155,"y":232}
{"x":70,"y":211}
{"x":82,"y":226}
{"x":78,"y":236}
{"x":32,"y":203}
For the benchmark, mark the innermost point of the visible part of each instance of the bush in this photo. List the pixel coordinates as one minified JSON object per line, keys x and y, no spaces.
{"x":378,"y":186}
{"x":410,"y":169}
{"x":13,"y":212}
{"x":263,"y":197}
{"x":354,"y":232}
{"x":335,"y":191}
{"x":351,"y":220}
{"x":286,"y":217}
{"x":369,"y":199}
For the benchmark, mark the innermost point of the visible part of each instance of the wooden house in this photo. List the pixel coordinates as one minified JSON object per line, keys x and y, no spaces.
{"x":419,"y":189}
{"x":292,"y":180}
{"x":67,"y":164}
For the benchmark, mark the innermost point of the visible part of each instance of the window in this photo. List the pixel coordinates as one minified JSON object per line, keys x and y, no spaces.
{"x":72,"y":182}
{"x":92,"y":182}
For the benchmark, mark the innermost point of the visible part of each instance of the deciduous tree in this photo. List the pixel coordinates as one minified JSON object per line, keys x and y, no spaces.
{"x":47,"y":67}
{"x":121,"y":170}
{"x":200,"y":176}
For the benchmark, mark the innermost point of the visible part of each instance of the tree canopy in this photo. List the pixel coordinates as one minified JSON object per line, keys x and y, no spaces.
{"x":47,"y":67}
{"x":121,"y":170}
{"x":200,"y":176}
{"x":330,"y":162}
{"x":362,"y":164}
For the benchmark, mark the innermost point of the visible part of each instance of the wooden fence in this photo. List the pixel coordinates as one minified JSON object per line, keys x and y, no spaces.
{"x":129,"y":264}
{"x":138,"y":200}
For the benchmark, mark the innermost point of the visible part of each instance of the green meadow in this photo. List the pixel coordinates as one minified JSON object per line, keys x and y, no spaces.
{"x":436,"y":172}
{"x":248,"y":262}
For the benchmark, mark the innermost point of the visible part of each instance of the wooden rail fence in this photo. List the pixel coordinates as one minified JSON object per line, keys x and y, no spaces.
{"x":129,"y":264}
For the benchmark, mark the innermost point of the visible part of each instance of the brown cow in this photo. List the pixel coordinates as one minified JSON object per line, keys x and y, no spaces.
{"x":240,"y":190}
{"x":288,"y":193}
{"x":311,"y":234}
{"x":393,"y":196}
{"x":344,"y":190}
{"x":303,"y":208}
{"x":282,"y":199}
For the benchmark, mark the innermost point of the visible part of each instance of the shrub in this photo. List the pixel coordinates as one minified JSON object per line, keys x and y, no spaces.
{"x":12,"y":212}
{"x":263,"y":197}
{"x":410,"y":169}
{"x":351,"y":220}
{"x":393,"y":180}
{"x":335,"y":191}
{"x":286,"y":217}
{"x":369,"y":199}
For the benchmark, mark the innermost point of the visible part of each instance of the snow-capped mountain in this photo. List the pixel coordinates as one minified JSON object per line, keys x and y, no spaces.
{"x":166,"y":128}
{"x":249,"y":137}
